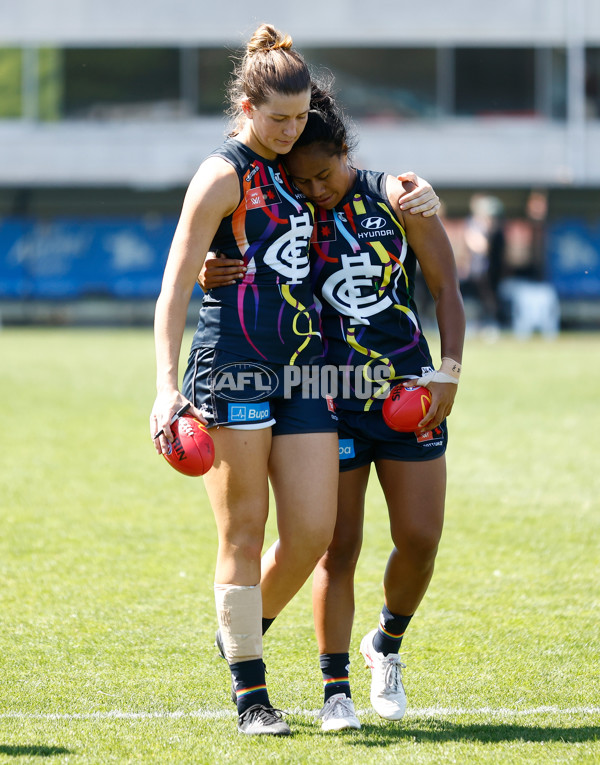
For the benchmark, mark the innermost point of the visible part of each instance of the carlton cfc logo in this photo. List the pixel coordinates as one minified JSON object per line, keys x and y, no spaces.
{"x":373,"y":223}
{"x":350,"y":290}
{"x":288,"y":255}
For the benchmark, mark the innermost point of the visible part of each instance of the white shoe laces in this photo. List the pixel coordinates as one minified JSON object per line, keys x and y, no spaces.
{"x":391,"y":669}
{"x":337,"y":707}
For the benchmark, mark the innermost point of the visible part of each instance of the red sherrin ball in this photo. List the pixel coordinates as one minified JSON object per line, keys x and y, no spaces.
{"x":192,"y":451}
{"x":404,"y":408}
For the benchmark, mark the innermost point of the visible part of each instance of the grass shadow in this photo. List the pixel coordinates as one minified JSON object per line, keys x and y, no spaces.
{"x":432,"y":730}
{"x":32,"y":750}
{"x":485,"y":733}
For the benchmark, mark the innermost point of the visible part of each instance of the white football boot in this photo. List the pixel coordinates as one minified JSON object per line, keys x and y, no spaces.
{"x":387,"y":692}
{"x":338,"y":713}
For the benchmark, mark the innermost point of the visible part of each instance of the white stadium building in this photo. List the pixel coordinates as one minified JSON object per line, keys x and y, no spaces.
{"x":106,"y":110}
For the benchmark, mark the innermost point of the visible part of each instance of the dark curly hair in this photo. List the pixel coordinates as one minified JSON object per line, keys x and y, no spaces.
{"x":327,"y":124}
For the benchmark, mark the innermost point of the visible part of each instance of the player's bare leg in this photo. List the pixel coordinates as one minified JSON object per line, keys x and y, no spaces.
{"x":333,"y":602}
{"x":304,"y":472}
{"x":415,"y":493}
{"x":333,"y":581}
{"x":237,"y":487}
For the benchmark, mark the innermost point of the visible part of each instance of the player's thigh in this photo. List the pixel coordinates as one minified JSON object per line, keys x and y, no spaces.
{"x":303,"y":468}
{"x":237,"y":485}
{"x":415,"y":493}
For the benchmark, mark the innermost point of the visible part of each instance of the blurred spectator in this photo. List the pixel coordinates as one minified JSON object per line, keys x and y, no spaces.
{"x":483,"y":267}
{"x":537,"y":211}
{"x":531,"y":303}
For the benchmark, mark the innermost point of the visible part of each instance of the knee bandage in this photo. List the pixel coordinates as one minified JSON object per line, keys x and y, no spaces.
{"x":239,"y":611}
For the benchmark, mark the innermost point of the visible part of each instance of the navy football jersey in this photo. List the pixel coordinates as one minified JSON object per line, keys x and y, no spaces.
{"x":271,"y":313}
{"x":363,"y":274}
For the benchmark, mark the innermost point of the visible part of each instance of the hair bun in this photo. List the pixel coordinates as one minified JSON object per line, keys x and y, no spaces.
{"x":269,"y":65}
{"x":266,"y":38}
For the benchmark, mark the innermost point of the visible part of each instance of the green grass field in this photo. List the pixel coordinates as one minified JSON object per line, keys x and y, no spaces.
{"x":107,"y":557}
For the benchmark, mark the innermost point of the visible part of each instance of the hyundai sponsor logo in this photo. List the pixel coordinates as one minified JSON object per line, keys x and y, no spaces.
{"x":375,"y":228}
{"x":373,"y":223}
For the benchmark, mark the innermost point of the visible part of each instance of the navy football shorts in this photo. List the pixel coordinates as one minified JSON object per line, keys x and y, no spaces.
{"x":364,"y":438}
{"x":249,"y":395}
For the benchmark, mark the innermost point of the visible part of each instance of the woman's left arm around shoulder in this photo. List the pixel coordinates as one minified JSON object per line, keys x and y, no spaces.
{"x":433,"y":250}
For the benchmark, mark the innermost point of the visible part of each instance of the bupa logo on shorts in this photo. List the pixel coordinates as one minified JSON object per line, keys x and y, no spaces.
{"x":346,"y":448}
{"x":373,"y":223}
{"x":249,"y":412}
{"x":243,"y":381}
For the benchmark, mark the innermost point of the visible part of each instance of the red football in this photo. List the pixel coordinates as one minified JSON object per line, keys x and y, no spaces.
{"x":192,"y":451}
{"x":404,"y":408}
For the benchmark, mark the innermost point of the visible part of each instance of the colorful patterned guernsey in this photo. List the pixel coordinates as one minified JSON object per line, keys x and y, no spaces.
{"x":271,"y":314}
{"x":363,"y":273}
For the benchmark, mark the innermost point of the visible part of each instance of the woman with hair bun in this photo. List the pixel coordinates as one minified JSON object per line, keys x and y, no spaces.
{"x":241,"y":203}
{"x":249,"y":335}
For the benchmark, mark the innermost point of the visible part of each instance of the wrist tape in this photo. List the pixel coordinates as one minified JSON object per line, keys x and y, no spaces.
{"x":449,"y":372}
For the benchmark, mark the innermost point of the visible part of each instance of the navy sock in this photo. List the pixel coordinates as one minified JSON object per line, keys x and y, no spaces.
{"x":250,"y":684}
{"x":335,"y":668}
{"x":266,"y":623}
{"x":392,"y":627}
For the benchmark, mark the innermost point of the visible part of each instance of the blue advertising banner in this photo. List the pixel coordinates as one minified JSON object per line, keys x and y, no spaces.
{"x":573,"y":258}
{"x":72,"y":258}
{"x":67,"y":258}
